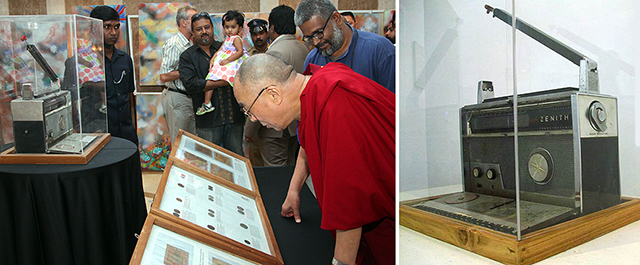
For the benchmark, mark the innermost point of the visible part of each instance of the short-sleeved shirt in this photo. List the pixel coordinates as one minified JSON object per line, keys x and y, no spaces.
{"x":253,"y":51}
{"x":119,"y":83}
{"x":369,"y":54}
{"x":171,"y":50}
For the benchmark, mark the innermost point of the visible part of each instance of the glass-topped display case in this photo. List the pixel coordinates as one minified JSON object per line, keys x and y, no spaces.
{"x":52,"y":83}
{"x":515,"y":128}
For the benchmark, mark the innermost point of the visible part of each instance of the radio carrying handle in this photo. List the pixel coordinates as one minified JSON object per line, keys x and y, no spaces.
{"x":588,"y":67}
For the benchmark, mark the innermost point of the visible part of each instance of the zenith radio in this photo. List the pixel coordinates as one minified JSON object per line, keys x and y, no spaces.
{"x":567,"y":152}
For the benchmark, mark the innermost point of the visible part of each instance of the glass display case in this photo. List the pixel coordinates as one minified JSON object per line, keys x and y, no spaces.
{"x":52,"y":85}
{"x":514,"y":129}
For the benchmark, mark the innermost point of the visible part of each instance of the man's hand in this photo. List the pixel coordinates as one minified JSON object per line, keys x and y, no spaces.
{"x":291,"y":206}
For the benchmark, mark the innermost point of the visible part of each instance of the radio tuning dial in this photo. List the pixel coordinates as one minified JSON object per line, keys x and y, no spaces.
{"x":598,"y":116}
{"x":476,"y":172}
{"x":540,"y":166}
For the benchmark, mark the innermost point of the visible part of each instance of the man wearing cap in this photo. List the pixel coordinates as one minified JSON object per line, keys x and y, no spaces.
{"x":279,"y":148}
{"x":258,"y":30}
{"x":176,"y":103}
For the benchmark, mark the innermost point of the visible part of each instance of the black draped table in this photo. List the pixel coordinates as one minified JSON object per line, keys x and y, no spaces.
{"x":73,"y":214}
{"x":303,"y":243}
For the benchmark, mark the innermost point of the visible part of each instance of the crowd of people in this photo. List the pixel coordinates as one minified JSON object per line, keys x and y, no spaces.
{"x":330,"y":111}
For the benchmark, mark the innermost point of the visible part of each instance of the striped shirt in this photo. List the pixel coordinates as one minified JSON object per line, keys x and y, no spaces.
{"x":171,"y":50}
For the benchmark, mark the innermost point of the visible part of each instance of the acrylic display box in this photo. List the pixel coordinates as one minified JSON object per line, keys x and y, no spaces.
{"x":52,"y":89}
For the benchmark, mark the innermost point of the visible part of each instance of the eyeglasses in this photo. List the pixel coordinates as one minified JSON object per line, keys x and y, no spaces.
{"x":318,"y":34}
{"x":246,"y":111}
{"x":199,"y":15}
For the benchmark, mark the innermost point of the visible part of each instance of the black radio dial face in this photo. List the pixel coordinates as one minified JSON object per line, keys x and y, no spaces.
{"x":540,"y":166}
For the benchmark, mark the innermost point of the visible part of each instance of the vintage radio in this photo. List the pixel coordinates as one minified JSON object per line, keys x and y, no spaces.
{"x":567,"y":148}
{"x":567,"y":153}
{"x":40,"y":123}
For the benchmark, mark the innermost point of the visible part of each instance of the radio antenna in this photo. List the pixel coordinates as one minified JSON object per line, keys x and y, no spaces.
{"x":40,"y":60}
{"x":588,"y":67}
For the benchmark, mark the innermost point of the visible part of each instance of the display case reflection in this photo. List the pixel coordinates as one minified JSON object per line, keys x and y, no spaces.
{"x":53,"y":74}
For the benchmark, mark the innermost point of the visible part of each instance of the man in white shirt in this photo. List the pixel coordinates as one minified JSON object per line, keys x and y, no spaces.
{"x":177,"y":106}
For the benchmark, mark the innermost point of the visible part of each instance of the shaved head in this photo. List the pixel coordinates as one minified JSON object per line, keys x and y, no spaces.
{"x":269,"y":90}
{"x":261,"y":70}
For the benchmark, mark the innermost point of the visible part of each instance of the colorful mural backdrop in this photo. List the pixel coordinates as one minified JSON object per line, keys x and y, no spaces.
{"x":157,"y":23}
{"x":369,"y":21}
{"x":152,"y":132}
{"x":122,"y":41}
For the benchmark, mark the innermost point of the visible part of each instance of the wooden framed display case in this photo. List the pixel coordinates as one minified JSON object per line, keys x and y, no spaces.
{"x":214,"y":159}
{"x":164,"y":242}
{"x":213,"y":192}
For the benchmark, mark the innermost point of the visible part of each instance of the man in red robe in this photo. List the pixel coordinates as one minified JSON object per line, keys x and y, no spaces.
{"x":346,"y":124}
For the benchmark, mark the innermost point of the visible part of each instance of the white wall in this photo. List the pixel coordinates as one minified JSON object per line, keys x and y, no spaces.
{"x":447,"y":46}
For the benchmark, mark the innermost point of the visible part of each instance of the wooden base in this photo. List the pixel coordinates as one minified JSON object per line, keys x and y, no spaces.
{"x":10,"y":157}
{"x":534,"y":246}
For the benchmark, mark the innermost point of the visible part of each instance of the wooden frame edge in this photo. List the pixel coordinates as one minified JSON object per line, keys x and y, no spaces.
{"x":152,"y":219}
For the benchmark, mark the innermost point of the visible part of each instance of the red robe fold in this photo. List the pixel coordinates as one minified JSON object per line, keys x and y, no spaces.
{"x":347,"y":129}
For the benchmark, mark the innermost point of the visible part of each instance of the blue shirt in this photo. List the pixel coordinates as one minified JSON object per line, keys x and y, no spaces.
{"x":369,"y":54}
{"x":119,"y":83}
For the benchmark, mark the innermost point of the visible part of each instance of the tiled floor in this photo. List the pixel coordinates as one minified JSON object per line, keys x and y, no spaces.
{"x":150,"y":182}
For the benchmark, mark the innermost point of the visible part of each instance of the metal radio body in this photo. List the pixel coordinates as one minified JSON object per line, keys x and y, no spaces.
{"x":41,"y":122}
{"x":567,"y":149}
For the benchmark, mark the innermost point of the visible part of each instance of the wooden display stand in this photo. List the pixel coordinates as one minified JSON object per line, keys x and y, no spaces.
{"x":209,"y":176}
{"x":10,"y":157}
{"x":534,"y":246}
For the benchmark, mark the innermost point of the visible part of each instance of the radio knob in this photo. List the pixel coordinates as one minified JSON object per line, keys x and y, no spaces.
{"x":598,"y":116}
{"x":491,"y":174}
{"x":602,"y":114}
{"x":476,"y":172}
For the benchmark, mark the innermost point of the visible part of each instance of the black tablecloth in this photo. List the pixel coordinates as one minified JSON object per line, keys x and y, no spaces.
{"x":303,"y":243}
{"x":73,"y":214}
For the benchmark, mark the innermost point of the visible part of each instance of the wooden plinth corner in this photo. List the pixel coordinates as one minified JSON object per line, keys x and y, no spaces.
{"x":9,"y":156}
{"x":534,"y":246}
